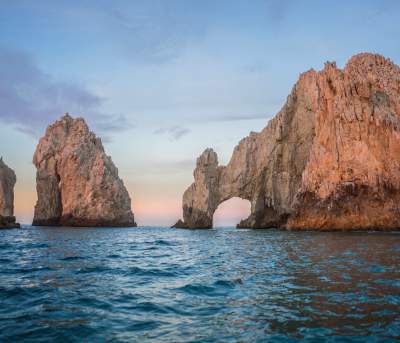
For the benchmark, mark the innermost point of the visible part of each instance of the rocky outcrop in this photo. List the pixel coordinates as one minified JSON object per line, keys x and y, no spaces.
{"x":329,"y":160}
{"x":77,"y":183}
{"x":180,"y":225}
{"x":7,"y":183}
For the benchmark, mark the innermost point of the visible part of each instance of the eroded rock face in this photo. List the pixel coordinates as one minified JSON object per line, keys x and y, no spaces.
{"x":329,"y":160}
{"x":77,"y":183}
{"x":7,"y":183}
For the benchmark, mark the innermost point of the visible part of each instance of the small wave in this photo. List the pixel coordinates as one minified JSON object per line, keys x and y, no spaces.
{"x":72,"y":258}
{"x":35,"y":246}
{"x":224,"y":283}
{"x":125,"y":298}
{"x":150,"y":307}
{"x":149,"y":248}
{"x":163,"y":242}
{"x":93,"y":302}
{"x":152,"y":272}
{"x":94,"y":269}
{"x":5,"y":260}
{"x":27,"y":292}
{"x":7,"y":292}
{"x":196,"y":289}
{"x":113,"y":256}
{"x":219,"y":287}
{"x":23,"y":270}
{"x":64,"y":323}
{"x":143,"y":325}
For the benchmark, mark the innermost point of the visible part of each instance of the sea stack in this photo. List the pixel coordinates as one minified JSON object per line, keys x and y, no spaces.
{"x":7,"y":183}
{"x":77,"y":183}
{"x":329,"y":160}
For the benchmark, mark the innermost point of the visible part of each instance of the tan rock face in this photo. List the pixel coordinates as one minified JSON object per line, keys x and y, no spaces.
{"x":330,"y":159}
{"x":7,"y":183}
{"x":77,"y":183}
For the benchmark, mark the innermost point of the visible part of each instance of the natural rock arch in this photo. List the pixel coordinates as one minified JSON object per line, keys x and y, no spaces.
{"x":242,"y":178}
{"x":329,"y":160}
{"x":259,"y":168}
{"x":231,"y":212}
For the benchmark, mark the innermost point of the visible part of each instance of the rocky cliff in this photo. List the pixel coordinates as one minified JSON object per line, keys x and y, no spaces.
{"x":329,"y":160}
{"x":77,"y":183}
{"x":7,"y":183}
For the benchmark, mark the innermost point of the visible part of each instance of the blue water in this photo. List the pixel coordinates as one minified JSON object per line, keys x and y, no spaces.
{"x":225,"y":285}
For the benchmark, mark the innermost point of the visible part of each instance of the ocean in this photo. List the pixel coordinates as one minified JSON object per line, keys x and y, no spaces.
{"x":154,"y":284}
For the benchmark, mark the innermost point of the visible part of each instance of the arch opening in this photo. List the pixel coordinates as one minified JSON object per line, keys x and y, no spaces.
{"x":230,"y":212}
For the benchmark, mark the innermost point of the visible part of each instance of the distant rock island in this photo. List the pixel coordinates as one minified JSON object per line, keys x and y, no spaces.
{"x":7,"y":183}
{"x":77,"y":183}
{"x":329,"y":160}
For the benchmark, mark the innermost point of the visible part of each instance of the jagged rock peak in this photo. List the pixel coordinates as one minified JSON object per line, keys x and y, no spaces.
{"x":368,"y":60}
{"x":77,"y":183}
{"x":328,"y":160}
{"x":7,"y":183}
{"x":208,"y":159}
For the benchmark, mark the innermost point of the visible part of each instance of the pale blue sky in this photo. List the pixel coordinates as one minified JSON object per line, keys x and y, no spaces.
{"x":162,"y":80}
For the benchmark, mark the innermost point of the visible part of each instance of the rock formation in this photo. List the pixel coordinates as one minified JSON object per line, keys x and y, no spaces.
{"x":329,"y":160}
{"x":7,"y":183}
{"x":77,"y":183}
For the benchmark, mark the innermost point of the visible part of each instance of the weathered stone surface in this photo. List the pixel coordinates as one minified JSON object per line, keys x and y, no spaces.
{"x":7,"y":183}
{"x":180,"y":225}
{"x":77,"y":183}
{"x":329,"y":160}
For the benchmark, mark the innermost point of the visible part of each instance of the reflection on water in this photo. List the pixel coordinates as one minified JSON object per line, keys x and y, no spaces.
{"x":163,"y":285}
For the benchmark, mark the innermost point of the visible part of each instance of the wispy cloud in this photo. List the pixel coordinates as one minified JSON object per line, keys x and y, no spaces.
{"x":174,"y":132}
{"x":30,"y":99}
{"x":153,"y":32}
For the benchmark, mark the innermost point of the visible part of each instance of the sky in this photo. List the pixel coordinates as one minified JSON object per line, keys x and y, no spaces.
{"x":161,"y":80}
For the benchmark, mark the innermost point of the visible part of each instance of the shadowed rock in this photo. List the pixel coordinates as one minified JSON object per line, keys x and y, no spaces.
{"x":180,"y":225}
{"x":7,"y":183}
{"x":77,"y":183}
{"x":329,"y":160}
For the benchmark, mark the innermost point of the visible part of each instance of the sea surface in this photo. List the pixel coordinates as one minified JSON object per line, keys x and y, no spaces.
{"x":220,"y":285}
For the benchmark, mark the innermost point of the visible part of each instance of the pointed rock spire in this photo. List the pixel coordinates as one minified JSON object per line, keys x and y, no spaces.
{"x":77,"y":183}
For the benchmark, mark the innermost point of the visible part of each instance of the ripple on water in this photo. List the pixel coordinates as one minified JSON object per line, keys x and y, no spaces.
{"x":216,"y":289}
{"x":34,"y":246}
{"x":163,"y":242}
{"x":113,"y":256}
{"x":97,"y":269}
{"x":225,"y":285}
{"x":72,"y":258}
{"x":154,"y":272}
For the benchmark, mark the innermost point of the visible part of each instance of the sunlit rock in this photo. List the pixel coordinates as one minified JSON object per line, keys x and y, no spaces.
{"x":329,"y":160}
{"x":7,"y":183}
{"x":77,"y":183}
